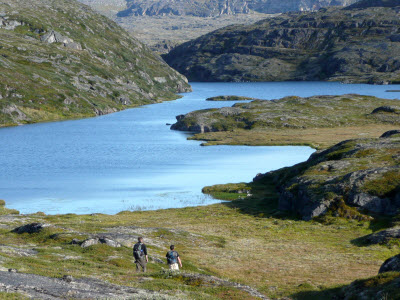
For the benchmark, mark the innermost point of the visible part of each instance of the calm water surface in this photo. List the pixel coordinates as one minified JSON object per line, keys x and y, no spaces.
{"x":131,"y":160}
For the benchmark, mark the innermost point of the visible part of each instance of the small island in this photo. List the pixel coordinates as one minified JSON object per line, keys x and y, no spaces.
{"x":230,"y":98}
{"x":317,"y":121}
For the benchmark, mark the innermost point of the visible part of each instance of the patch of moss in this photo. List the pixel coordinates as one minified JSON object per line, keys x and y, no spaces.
{"x":385,"y":186}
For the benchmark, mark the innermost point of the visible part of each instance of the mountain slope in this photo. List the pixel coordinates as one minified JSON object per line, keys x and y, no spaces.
{"x":212,"y":8}
{"x":59,"y":59}
{"x":351,"y":44}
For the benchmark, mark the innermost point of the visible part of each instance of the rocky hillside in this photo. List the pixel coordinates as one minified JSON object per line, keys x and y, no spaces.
{"x":212,"y":8}
{"x":59,"y":59}
{"x":363,"y":174}
{"x":360,"y":43}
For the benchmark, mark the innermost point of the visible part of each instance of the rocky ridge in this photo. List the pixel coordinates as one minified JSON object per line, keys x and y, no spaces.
{"x":60,"y":59}
{"x":359,"y":43}
{"x":212,"y":8}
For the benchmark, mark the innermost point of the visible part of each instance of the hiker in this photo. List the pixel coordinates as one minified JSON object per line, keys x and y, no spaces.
{"x":173,"y":259}
{"x":140,"y":255}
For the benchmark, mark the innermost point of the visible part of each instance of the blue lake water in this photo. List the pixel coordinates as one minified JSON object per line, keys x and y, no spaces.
{"x":131,"y":160}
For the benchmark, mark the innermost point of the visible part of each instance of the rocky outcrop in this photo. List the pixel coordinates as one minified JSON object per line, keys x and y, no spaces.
{"x":391,"y":265}
{"x":335,"y":181}
{"x":55,"y":37}
{"x":8,"y":24}
{"x":41,"y":287}
{"x":100,"y":240}
{"x":383,"y":236}
{"x":322,"y":45}
{"x":60,"y":60}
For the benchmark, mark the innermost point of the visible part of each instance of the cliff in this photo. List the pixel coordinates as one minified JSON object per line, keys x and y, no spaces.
{"x":360,"y":43}
{"x":60,"y":60}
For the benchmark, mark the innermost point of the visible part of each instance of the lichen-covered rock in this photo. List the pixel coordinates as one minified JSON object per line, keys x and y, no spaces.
{"x":100,"y":240}
{"x":90,"y":242}
{"x":109,"y":242}
{"x":391,"y":265}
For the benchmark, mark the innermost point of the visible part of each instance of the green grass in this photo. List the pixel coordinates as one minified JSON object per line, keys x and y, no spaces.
{"x":12,"y":296}
{"x":246,"y":240}
{"x":386,"y":186}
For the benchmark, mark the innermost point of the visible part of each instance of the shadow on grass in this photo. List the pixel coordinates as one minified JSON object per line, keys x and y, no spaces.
{"x":327,"y":294}
{"x":262,"y":203}
{"x":379,"y":223}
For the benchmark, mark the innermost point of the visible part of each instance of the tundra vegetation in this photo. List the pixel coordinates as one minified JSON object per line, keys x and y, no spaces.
{"x":247,"y":241}
{"x":317,"y":121}
{"x":61,"y":60}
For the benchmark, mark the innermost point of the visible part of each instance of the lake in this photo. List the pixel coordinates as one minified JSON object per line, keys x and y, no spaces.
{"x":131,"y":160}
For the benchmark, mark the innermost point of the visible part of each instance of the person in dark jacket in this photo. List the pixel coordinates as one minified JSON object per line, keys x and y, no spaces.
{"x":173,"y":259}
{"x":140,"y":255}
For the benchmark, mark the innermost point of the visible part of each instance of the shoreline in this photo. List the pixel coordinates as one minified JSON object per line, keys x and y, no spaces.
{"x":178,"y":96}
{"x":181,"y":95}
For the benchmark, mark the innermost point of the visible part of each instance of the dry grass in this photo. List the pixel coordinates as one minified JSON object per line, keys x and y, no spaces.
{"x":319,"y":138}
{"x":273,"y":254}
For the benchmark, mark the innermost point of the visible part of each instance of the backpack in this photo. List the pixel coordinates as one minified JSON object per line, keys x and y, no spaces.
{"x":171,"y":257}
{"x":137,"y":250}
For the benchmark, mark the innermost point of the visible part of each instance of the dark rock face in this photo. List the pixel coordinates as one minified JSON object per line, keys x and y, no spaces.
{"x":30,"y":228}
{"x":384,"y":236}
{"x":323,"y":45}
{"x":391,"y":265}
